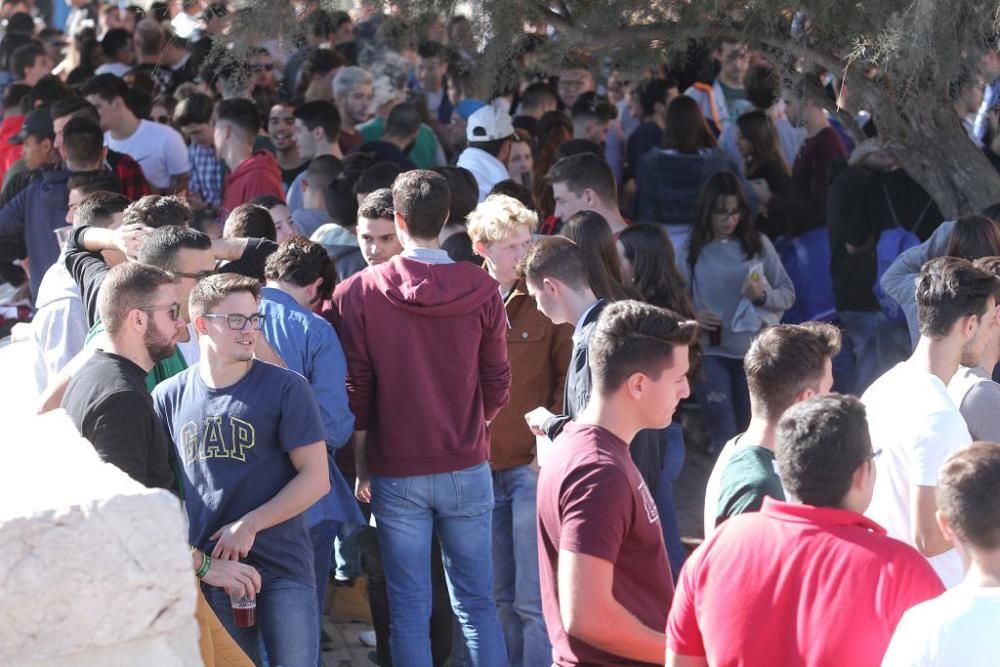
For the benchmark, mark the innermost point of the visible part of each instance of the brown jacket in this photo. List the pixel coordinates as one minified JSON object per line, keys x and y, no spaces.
{"x":539,"y":354}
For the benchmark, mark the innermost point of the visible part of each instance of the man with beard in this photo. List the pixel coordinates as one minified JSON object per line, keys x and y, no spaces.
{"x":108,"y":400}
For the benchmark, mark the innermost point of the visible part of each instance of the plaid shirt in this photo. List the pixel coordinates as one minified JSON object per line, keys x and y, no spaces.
{"x":206,"y":174}
{"x":128,"y":171}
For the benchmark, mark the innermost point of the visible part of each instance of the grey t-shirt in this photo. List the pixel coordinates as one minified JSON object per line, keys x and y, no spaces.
{"x":978,"y":399}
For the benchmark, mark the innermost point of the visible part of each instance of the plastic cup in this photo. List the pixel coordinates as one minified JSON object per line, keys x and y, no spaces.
{"x":244,"y":610}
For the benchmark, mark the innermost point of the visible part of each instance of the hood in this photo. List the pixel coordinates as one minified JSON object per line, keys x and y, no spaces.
{"x":328,"y":234}
{"x":11,"y":126}
{"x":259,"y":161}
{"x":434,"y":289}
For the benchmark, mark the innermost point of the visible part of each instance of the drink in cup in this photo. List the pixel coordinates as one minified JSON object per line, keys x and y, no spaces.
{"x":244,"y":610}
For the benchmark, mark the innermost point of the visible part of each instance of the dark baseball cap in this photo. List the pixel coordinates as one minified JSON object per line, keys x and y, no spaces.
{"x":38,"y":123}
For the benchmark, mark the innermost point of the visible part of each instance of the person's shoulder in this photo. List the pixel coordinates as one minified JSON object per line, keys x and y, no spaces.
{"x":750,"y":461}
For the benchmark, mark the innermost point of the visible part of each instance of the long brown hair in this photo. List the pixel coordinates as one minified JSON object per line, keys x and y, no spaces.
{"x":722,"y":184}
{"x":757,"y":128}
{"x":687,"y":132}
{"x":654,"y":265}
{"x":973,"y":237}
{"x":592,"y":233}
{"x":554,"y":129}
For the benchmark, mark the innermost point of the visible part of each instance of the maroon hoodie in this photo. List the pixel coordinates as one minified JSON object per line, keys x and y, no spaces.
{"x":426,"y":348}
{"x":258,"y":175}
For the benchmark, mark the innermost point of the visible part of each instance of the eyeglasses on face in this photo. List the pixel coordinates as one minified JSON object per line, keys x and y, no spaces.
{"x":201,"y":275}
{"x":173,"y":310}
{"x":263,"y":67}
{"x":722,"y":214}
{"x":238,"y":322}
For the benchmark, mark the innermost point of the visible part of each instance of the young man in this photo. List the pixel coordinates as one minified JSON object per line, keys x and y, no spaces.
{"x":376,"y":229}
{"x":432,"y":65}
{"x":536,"y":100}
{"x":453,"y":315}
{"x":958,"y":628}
{"x":119,"y":57}
{"x":724,"y":100}
{"x":37,"y":138}
{"x":648,"y":103}
{"x":539,"y":353}
{"x":763,"y":588}
{"x":60,"y":327}
{"x":912,"y":418}
{"x":317,"y":133}
{"x":592,"y":116}
{"x":786,"y":364}
{"x":353,"y":93}
{"x":157,"y":147}
{"x":401,"y":128}
{"x":316,"y":181}
{"x":600,"y":541}
{"x":490,"y":134}
{"x":250,"y":441}
{"x":972,"y":388}
{"x":281,"y":130}
{"x":575,"y":79}
{"x":250,"y":174}
{"x":193,"y":117}
{"x":30,"y":63}
{"x":585,"y":183}
{"x":38,"y":210}
{"x":107,"y":399}
{"x":249,"y":221}
{"x":299,"y":276}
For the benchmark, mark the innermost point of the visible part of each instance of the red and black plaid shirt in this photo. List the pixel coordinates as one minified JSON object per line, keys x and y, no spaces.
{"x":129,"y":173}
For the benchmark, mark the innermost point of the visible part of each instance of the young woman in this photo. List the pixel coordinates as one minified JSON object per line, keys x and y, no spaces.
{"x":592,"y":233}
{"x":757,"y":141}
{"x":650,"y":268}
{"x":733,"y":270}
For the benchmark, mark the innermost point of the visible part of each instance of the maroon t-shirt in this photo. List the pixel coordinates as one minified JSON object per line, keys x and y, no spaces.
{"x":592,"y":500}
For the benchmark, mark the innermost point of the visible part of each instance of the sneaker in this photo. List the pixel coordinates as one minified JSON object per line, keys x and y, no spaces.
{"x":367,"y":638}
{"x":350,"y":603}
{"x":326,"y":641}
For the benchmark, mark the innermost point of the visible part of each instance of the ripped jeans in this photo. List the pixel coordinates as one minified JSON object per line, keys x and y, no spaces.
{"x":724,"y":398}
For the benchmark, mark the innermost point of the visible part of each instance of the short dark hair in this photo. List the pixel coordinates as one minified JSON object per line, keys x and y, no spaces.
{"x":536,"y":94}
{"x":377,"y":205}
{"x":595,"y":106}
{"x":241,"y":113}
{"x":651,"y":92}
{"x":14,"y":93}
{"x":785,"y":360}
{"x":555,"y":257}
{"x":376,"y":177}
{"x":430,"y":49}
{"x":585,"y":171}
{"x":94,"y":181}
{"x":268,"y":201}
{"x":323,"y":171}
{"x":634,"y":337}
{"x":519,"y":192}
{"x":106,"y":86}
{"x":115,"y":41}
{"x":320,"y":113}
{"x":162,"y":245}
{"x":158,"y":211}
{"x":300,"y":261}
{"x":71,"y":106}
{"x":24,"y":57}
{"x":21,"y":22}
{"x":83,"y":141}
{"x":403,"y":121}
{"x":423,"y":199}
{"x":49,"y":90}
{"x":819,"y":443}
{"x":127,"y":287}
{"x":195,"y":109}
{"x":464,"y":193}
{"x":249,"y":221}
{"x":948,"y":289}
{"x":763,"y":86}
{"x":208,"y":292}
{"x":97,"y":208}
{"x":968,"y":494}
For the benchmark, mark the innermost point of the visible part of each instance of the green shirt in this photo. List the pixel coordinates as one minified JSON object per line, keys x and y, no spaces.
{"x":747,"y":479}
{"x":163,"y":370}
{"x":424,"y":151}
{"x":737,"y":103}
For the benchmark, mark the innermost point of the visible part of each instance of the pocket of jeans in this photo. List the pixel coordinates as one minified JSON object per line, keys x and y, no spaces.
{"x":390,"y":495}
{"x":473,"y":490}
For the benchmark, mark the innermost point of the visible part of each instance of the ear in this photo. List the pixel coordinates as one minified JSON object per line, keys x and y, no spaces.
{"x":400,"y":222}
{"x":200,"y":325}
{"x":805,"y":394}
{"x":946,"y":528}
{"x":635,"y":385}
{"x":305,"y":185}
{"x":479,"y":248}
{"x":969,"y":325}
{"x":136,"y":320}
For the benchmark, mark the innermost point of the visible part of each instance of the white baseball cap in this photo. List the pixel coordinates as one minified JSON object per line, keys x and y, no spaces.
{"x":487,"y":124}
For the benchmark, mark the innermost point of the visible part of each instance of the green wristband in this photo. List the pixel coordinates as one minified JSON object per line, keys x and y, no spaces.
{"x":206,"y":562}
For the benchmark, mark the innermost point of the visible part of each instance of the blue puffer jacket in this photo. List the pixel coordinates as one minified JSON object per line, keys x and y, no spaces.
{"x":669,"y":183}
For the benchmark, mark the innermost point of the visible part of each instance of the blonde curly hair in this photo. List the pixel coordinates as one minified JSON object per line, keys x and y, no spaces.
{"x":498,"y":217}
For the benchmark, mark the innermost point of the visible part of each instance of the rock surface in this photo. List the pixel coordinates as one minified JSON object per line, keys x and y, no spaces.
{"x":94,"y":567}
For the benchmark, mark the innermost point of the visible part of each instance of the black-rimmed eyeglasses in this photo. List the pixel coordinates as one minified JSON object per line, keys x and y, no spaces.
{"x":238,"y":322}
{"x":173,"y":310}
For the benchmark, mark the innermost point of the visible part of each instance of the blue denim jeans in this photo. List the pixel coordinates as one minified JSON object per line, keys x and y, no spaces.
{"x":458,"y":508}
{"x":287,"y":623}
{"x":515,"y":567}
{"x":347,"y":556}
{"x":673,"y":461}
{"x":724,"y":398}
{"x":322,"y":536}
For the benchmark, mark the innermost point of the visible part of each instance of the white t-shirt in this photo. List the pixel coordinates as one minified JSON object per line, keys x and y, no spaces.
{"x":159,"y":149}
{"x":915,"y":423}
{"x":959,"y":627}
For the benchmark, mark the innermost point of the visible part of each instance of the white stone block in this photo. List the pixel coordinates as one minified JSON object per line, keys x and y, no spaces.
{"x":94,"y":567}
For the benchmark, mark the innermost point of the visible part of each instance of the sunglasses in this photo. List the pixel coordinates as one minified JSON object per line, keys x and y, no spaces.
{"x":173,"y":310}
{"x":238,"y":322}
{"x":263,"y":67}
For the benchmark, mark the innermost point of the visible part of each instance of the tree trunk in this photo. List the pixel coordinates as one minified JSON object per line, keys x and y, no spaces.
{"x":934,"y":149}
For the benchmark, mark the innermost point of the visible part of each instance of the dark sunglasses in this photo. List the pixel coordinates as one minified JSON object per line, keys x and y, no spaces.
{"x":263,"y":67}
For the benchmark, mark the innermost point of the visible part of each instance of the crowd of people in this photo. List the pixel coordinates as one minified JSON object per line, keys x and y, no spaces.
{"x":415,"y":348}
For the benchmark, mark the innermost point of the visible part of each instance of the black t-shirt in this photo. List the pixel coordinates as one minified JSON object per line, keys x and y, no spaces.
{"x":110,"y":405}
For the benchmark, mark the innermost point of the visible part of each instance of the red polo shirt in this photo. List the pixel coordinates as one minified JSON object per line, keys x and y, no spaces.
{"x":796,"y":585}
